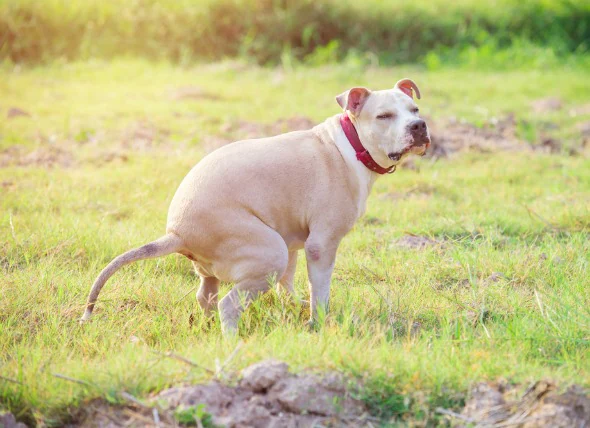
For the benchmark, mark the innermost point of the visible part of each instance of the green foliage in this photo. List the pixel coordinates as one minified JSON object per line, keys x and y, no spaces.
{"x":265,"y":31}
{"x":191,"y":416}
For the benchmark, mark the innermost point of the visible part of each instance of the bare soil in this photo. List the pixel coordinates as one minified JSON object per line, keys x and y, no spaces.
{"x":452,"y":136}
{"x":46,"y":156}
{"x":16,"y":112}
{"x":541,"y":405}
{"x":192,"y":93}
{"x":7,"y":420}
{"x":244,"y":130}
{"x":546,"y":105}
{"x":266,"y":395}
{"x":414,"y":242}
{"x":448,"y":137}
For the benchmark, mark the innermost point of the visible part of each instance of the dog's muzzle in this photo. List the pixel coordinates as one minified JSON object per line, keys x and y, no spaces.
{"x":421,"y":140}
{"x":418,"y":132}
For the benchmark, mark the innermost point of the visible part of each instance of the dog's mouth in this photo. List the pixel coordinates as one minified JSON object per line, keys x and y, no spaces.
{"x":417,"y":148}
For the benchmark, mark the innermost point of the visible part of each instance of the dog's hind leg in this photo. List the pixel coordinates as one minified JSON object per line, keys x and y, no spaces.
{"x":286,"y":282}
{"x":207,"y":294}
{"x":259,"y":259}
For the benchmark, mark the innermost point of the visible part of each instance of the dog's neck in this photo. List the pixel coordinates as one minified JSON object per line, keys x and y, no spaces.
{"x":331,"y":130}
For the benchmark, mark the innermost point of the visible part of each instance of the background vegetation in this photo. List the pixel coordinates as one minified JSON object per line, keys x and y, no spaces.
{"x":267,"y":31}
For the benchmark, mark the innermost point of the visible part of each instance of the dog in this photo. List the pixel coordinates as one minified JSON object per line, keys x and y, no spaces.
{"x":245,"y":210}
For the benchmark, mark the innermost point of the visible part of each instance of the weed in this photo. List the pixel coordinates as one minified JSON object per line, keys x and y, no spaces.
{"x":194,"y":416}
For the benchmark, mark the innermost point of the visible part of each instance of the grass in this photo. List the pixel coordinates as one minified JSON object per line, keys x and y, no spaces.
{"x":272,"y":31}
{"x":419,"y":327}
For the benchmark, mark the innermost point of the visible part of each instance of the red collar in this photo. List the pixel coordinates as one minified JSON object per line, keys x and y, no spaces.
{"x":362,"y":154}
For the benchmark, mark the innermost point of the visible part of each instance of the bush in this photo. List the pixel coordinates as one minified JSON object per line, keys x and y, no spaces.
{"x":34,"y":31}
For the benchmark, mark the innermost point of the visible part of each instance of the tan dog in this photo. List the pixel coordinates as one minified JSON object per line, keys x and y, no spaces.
{"x":243,"y":212}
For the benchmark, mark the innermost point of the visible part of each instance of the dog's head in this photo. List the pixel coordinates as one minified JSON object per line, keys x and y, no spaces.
{"x":388,"y":121}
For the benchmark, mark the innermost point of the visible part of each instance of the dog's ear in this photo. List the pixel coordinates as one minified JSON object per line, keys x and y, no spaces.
{"x":353,"y":99}
{"x":406,"y":86}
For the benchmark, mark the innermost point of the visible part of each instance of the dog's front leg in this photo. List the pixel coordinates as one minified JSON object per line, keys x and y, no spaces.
{"x":320,"y":255}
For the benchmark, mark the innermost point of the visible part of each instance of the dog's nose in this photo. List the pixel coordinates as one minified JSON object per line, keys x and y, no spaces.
{"x":418,"y":126}
{"x":418,"y":131}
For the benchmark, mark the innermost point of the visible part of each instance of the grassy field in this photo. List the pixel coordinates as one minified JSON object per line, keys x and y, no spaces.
{"x":88,"y":169}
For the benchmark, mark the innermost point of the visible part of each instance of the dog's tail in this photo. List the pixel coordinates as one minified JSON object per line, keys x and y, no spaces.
{"x":167,"y":244}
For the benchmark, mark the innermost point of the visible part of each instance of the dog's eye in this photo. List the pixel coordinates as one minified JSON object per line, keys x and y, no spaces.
{"x":415,"y":110}
{"x":385,"y":116}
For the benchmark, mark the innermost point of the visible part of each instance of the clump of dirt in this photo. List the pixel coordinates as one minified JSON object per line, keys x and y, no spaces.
{"x":372,"y":221}
{"x":540,"y":406}
{"x":413,"y":242}
{"x":494,"y":278}
{"x":584,"y":129}
{"x":7,"y":420}
{"x":549,"y":145}
{"x":47,"y":156}
{"x":266,"y":395}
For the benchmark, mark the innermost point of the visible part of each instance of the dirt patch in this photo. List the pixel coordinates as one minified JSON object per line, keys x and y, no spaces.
{"x":540,"y":406}
{"x":267,"y":395}
{"x":494,"y":278}
{"x":448,"y":136}
{"x":192,"y":93}
{"x":547,"y":105}
{"x":372,"y":221}
{"x":580,"y":110}
{"x":16,"y":112}
{"x":453,"y":136}
{"x":413,"y":242}
{"x":244,"y":130}
{"x":7,"y":420}
{"x":549,"y":145}
{"x":109,"y":157}
{"x":584,"y":129}
{"x":44,"y":156}
{"x":419,"y":191}
{"x":143,"y":136}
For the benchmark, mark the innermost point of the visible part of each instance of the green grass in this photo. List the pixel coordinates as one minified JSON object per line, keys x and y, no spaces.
{"x":419,"y":327}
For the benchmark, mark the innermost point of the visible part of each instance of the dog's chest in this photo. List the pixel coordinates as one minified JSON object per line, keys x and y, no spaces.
{"x":364,"y":180}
